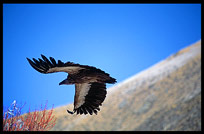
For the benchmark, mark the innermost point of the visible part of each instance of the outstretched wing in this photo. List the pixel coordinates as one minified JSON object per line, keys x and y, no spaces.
{"x":88,"y":97}
{"x":50,"y":66}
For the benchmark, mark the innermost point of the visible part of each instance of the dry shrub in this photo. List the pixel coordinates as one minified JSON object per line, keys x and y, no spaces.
{"x":41,"y":120}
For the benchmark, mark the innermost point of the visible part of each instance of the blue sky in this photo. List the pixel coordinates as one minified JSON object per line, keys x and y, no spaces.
{"x":121,"y":39}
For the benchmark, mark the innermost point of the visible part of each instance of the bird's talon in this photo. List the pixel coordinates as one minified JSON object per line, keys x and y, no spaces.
{"x":70,"y":112}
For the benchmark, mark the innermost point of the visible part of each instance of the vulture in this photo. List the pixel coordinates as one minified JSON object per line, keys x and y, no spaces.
{"x":90,"y":82}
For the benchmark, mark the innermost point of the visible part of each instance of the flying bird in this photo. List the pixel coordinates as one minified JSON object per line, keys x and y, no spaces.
{"x":90,"y":82}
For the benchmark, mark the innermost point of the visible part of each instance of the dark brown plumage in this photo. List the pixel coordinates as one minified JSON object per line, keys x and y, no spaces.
{"x":90,"y":82}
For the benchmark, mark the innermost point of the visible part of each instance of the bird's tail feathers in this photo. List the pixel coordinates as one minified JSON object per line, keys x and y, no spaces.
{"x":111,"y":80}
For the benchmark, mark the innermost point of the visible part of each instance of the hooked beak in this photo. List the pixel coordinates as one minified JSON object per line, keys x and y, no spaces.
{"x":64,"y":82}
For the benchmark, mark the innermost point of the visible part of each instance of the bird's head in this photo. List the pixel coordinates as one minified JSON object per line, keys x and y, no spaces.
{"x":65,"y":82}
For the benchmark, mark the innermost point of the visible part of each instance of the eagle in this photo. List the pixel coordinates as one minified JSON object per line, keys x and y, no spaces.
{"x":90,"y":82}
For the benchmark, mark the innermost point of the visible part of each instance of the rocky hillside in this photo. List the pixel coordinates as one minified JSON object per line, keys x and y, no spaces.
{"x":166,"y":96}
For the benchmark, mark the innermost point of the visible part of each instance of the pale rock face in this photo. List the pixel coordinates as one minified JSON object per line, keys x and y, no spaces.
{"x":161,"y":69}
{"x":150,"y":100}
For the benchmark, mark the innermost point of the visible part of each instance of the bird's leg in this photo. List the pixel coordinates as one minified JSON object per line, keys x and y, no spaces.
{"x":70,"y":112}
